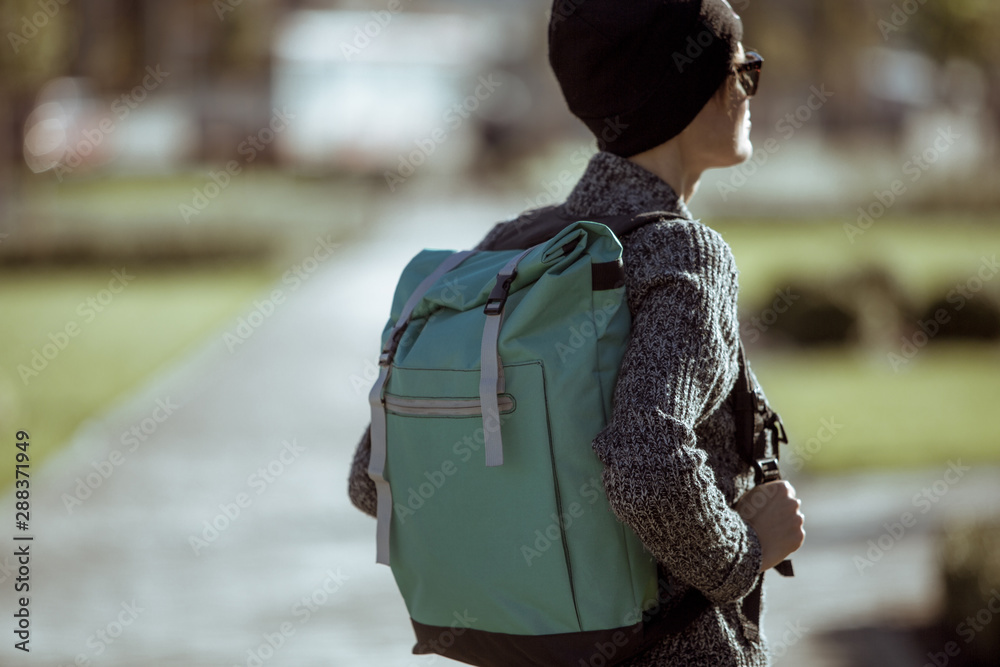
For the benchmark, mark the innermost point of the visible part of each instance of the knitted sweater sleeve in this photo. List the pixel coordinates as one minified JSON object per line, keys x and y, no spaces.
{"x":679,"y":366}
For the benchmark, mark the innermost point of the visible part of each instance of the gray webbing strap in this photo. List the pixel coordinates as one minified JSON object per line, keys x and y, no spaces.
{"x":488,"y":381}
{"x":490,"y":364}
{"x":376,"y":464}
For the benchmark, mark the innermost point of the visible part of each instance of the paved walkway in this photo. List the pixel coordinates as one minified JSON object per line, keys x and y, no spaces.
{"x":224,"y":536}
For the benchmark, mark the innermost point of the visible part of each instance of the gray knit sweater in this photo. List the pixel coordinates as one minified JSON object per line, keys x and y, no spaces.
{"x":672,"y":472}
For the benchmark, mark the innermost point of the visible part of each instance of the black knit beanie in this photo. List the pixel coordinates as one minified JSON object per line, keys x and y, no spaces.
{"x":637,"y":72}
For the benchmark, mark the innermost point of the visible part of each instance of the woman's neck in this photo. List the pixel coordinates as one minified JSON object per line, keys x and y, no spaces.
{"x":667,"y":161}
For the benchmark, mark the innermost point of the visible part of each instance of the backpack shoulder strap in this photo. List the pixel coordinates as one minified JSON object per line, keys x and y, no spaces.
{"x":751,"y":446}
{"x":747,"y":405}
{"x":541,"y":224}
{"x":744,"y":407}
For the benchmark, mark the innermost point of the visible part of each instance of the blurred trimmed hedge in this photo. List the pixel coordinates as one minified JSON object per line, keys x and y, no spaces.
{"x":868,"y":307}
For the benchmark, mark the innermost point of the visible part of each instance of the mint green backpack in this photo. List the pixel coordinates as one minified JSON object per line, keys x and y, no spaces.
{"x":497,"y":371}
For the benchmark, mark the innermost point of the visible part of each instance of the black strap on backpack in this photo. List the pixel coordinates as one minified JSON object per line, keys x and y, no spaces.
{"x":749,"y":406}
{"x":541,"y":224}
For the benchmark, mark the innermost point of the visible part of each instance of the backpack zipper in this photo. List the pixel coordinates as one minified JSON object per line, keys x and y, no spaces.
{"x":442,"y":407}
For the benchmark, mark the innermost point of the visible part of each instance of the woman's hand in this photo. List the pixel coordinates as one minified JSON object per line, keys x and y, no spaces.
{"x":772,"y":510}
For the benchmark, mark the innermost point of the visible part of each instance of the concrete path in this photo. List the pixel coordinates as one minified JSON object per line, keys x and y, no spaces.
{"x":220,"y":532}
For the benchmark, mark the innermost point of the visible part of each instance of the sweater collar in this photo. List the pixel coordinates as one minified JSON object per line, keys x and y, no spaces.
{"x":613,"y":185}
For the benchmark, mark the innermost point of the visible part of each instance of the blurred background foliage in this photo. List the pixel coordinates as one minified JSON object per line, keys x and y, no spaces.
{"x":150,"y":135}
{"x":203,"y":145}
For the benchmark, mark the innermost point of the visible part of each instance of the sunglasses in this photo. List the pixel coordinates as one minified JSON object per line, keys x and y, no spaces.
{"x":749,"y":73}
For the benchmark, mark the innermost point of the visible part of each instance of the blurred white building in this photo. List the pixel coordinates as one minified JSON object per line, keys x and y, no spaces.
{"x":376,"y":90}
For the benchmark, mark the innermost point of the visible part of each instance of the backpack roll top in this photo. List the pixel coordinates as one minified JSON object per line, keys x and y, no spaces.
{"x":501,"y":558}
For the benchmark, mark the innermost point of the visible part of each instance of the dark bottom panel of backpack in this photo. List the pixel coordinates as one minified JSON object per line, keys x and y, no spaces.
{"x":574,"y":649}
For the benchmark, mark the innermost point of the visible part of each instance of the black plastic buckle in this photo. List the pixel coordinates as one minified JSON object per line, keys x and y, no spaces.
{"x":498,"y":295}
{"x":389,"y":351}
{"x":759,"y":404}
{"x":766,"y":470}
{"x":778,"y":428}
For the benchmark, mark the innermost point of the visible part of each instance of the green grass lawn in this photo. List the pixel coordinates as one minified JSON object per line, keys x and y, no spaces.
{"x":158,"y":316}
{"x":939,"y":406}
{"x":923,"y":254}
{"x":163,"y":313}
{"x":847,"y":409}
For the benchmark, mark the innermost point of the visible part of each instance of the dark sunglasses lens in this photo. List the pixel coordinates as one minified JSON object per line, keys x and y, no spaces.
{"x":749,"y":80}
{"x":749,"y":73}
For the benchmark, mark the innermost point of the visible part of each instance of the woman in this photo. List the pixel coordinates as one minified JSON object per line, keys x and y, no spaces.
{"x":665,"y":88}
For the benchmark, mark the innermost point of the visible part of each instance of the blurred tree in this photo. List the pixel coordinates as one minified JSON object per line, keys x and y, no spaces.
{"x":962,"y":28}
{"x":808,"y":44}
{"x":818,"y":41}
{"x":220,"y":51}
{"x":38,"y":45}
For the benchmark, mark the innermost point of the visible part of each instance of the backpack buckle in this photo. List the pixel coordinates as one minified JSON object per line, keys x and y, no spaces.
{"x":498,"y":295}
{"x":759,"y":404}
{"x":389,"y":351}
{"x":766,"y":470}
{"x":778,"y":428}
